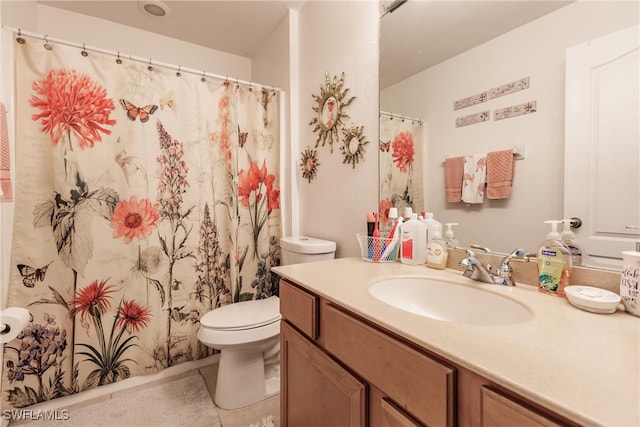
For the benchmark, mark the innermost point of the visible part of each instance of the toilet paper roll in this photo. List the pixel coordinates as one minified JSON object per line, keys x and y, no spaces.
{"x":12,"y":322}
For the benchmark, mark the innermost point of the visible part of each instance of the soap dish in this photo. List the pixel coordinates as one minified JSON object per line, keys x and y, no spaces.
{"x":592,"y":299}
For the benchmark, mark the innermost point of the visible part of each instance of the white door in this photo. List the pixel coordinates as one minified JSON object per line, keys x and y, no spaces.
{"x":602,"y":144}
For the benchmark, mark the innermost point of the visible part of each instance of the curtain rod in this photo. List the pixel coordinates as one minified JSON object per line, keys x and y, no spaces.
{"x":400,"y":116}
{"x":179,"y":69}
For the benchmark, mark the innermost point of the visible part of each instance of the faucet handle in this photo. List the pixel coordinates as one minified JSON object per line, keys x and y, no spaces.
{"x":505,"y":271}
{"x":518,"y":253}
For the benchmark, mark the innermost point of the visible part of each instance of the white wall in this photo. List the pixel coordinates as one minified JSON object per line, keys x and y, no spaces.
{"x":271,"y":66}
{"x":336,"y":37}
{"x":536,"y":50}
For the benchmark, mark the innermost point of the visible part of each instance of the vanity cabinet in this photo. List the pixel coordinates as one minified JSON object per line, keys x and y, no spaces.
{"x":339,"y":369}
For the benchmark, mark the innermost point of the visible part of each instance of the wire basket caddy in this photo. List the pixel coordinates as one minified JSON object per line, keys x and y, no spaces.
{"x":378,"y":249}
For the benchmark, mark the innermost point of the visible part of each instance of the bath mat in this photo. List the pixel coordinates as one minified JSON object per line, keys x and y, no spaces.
{"x":265,"y":422}
{"x":183,"y":402}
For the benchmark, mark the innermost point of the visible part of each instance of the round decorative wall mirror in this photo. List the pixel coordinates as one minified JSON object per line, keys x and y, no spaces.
{"x":330,"y":110}
{"x":309,"y":164}
{"x":353,"y":145}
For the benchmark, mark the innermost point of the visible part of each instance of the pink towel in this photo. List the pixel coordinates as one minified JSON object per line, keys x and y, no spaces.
{"x":453,"y":168}
{"x":6,"y":192}
{"x":500,"y":173}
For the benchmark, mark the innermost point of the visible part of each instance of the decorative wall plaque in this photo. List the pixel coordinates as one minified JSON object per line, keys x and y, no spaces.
{"x":515,"y":110}
{"x":472,"y":119}
{"x":508,"y":88}
{"x":468,"y":102}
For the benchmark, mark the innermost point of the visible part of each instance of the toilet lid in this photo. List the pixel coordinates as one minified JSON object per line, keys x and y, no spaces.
{"x":243,"y":315}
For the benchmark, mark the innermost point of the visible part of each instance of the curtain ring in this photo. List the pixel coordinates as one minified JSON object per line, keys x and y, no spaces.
{"x":84,"y":51}
{"x":19,"y":38}
{"x":203,"y":78}
{"x":118,"y":60}
{"x":178,"y":73}
{"x":150,"y":68}
{"x":250,"y":87}
{"x":46,"y":45}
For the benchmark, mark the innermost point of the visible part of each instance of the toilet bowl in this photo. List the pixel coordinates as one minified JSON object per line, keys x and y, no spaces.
{"x":248,"y":335}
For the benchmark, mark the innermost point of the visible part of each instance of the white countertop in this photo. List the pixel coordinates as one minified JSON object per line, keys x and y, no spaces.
{"x":582,"y":365}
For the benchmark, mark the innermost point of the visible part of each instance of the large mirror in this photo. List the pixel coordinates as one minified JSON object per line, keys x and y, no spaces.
{"x":436,"y":55}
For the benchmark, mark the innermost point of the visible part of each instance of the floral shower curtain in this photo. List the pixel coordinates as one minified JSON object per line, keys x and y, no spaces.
{"x":400,"y":164}
{"x":145,"y":197}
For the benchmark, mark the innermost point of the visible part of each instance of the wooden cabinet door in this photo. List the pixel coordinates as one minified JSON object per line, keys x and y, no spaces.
{"x":320,"y":391}
{"x":500,"y":411}
{"x":391,"y":416}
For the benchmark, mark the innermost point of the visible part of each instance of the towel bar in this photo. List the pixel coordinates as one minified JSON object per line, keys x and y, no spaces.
{"x":518,"y":152}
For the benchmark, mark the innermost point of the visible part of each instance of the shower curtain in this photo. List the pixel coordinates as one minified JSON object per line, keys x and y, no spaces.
{"x":400,"y":164}
{"x":145,"y":197}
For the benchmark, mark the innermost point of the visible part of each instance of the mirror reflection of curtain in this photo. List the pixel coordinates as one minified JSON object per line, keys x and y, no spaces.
{"x":143,"y":200}
{"x":401,"y":148}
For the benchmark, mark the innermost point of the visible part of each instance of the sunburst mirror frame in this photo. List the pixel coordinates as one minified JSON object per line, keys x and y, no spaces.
{"x":353,"y":145}
{"x":309,"y":164}
{"x":330,"y":110}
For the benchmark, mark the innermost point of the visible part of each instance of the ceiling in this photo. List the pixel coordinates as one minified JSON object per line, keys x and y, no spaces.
{"x":421,"y":33}
{"x":417,"y":35}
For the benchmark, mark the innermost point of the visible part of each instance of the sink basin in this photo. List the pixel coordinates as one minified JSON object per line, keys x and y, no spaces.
{"x":449,"y":301}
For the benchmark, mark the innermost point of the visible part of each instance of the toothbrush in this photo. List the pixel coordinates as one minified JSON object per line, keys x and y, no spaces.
{"x":377,"y":250}
{"x":390,"y":243}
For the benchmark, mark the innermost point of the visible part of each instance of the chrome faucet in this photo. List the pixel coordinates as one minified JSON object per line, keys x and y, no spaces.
{"x":475,"y":270}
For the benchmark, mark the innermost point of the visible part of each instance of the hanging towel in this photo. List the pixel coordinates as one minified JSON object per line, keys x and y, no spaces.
{"x":453,"y":168}
{"x":6,"y":192}
{"x":474,"y":178}
{"x":500,"y":173}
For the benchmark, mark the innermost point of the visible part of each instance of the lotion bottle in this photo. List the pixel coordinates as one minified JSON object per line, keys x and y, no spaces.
{"x":630,"y":281}
{"x":570,"y":241}
{"x":554,"y":263}
{"x":413,"y":239}
{"x":437,"y":252}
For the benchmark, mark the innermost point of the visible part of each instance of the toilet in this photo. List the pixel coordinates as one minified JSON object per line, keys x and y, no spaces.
{"x":247,"y":334}
{"x":299,"y":249}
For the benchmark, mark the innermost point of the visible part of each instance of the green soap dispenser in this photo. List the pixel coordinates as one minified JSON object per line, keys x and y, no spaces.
{"x":554,"y":263}
{"x":570,"y":241}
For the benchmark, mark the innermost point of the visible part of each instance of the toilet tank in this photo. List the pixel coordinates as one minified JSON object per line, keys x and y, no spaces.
{"x":299,"y":249}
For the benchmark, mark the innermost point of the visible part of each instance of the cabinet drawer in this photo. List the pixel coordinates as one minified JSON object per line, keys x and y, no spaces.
{"x":501,"y":411}
{"x":423,"y":386}
{"x":300,"y":308}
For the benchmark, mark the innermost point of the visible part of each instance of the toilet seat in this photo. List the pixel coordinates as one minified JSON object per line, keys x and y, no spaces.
{"x":243,"y":315}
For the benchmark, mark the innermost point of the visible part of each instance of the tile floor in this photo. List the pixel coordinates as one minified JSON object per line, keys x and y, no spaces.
{"x":245,"y":417}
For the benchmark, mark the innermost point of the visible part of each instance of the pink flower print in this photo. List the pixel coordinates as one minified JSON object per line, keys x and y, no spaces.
{"x":72,"y":104}
{"x":403,"y":151}
{"x":134,"y":219}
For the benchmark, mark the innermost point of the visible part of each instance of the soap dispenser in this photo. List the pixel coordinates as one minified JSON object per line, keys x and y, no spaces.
{"x":629,"y":281}
{"x":554,"y":262}
{"x":437,"y":252}
{"x":449,"y":238}
{"x":570,"y":241}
